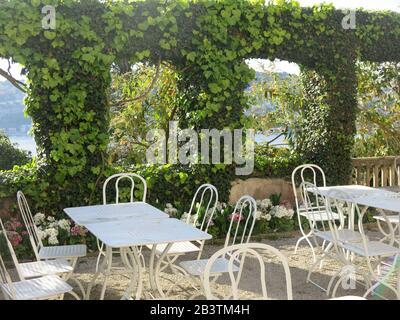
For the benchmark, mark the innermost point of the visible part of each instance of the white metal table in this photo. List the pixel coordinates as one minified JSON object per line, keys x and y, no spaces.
{"x":113,"y":212}
{"x":367,"y":197}
{"x":127,"y":235}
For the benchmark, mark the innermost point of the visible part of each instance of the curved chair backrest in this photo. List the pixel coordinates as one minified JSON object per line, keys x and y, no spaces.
{"x":6,"y":284}
{"x":30,"y":225}
{"x":11,"y":250}
{"x":315,"y":207}
{"x":124,"y":176}
{"x":307,"y":173}
{"x":237,"y":233}
{"x":260,"y":253}
{"x":207,"y":195}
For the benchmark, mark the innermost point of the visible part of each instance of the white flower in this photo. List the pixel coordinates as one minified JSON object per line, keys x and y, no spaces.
{"x":53,"y":225}
{"x":221,"y":206}
{"x":268,"y":217}
{"x":282,"y":212}
{"x":39,"y":218}
{"x":64,"y":224}
{"x":259,"y":215}
{"x":266,"y":203}
{"x":184,"y":216}
{"x":53,"y":240}
{"x":192,"y":218}
{"x":170,"y":210}
{"x":51,"y":232}
{"x":51,"y":219}
{"x":41,"y":234}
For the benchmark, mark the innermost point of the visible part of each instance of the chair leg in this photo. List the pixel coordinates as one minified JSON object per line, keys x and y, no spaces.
{"x":306,"y":238}
{"x":79,"y":284}
{"x":72,"y":293}
{"x":310,"y":272}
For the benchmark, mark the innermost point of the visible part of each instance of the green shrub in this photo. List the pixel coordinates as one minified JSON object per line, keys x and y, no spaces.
{"x":275,"y":162}
{"x":10,"y":155}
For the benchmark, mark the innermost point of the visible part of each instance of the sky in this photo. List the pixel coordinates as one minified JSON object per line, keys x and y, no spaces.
{"x":282,"y":66}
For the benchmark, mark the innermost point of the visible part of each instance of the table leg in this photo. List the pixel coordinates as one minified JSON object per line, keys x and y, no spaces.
{"x":136,"y":269}
{"x":107,"y":272}
{"x":100,"y":270}
{"x":155,"y":270}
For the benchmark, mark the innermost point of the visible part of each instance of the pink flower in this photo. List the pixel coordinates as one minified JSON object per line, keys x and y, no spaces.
{"x":78,"y":231}
{"x":236,"y":217}
{"x":15,"y":239}
{"x":13,"y":224}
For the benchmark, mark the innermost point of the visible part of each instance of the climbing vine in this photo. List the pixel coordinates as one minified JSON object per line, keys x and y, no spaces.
{"x":207,"y":41}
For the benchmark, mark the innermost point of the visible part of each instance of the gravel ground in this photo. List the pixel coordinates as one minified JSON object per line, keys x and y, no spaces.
{"x":250,"y":284}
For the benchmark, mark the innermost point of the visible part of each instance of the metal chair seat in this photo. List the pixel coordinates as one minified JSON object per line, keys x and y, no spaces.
{"x":374,"y":249}
{"x":320,"y":216}
{"x":344,"y":236}
{"x":63,"y":252}
{"x":37,"y":289}
{"x":197,"y":267}
{"x":43,"y":268}
{"x":177,"y":248}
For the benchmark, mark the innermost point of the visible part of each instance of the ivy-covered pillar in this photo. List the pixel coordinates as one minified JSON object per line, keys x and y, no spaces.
{"x":328,"y":122}
{"x":69,"y":110}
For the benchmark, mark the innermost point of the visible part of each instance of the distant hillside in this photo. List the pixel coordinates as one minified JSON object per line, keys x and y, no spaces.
{"x":12,"y":119}
{"x":14,"y":123}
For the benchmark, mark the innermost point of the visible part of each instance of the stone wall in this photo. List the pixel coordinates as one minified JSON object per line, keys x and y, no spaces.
{"x":261,"y":188}
{"x":6,"y":207}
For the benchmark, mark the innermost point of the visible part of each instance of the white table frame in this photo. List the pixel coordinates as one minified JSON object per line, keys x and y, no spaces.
{"x":119,"y":235}
{"x":367,"y":198}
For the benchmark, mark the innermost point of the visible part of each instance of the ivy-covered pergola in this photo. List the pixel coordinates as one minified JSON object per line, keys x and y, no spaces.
{"x":68,"y":72}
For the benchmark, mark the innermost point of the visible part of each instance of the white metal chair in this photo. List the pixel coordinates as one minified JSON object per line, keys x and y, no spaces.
{"x":124,"y":176}
{"x":357,"y":252}
{"x":43,"y":288}
{"x":200,"y":215}
{"x":313,"y":214}
{"x":118,"y":178}
{"x":236,"y":256}
{"x":37,"y":268}
{"x":245,"y":210}
{"x":71,"y":253}
{"x":329,"y":231}
{"x":31,"y":270}
{"x":204,"y":203}
{"x":393,"y":219}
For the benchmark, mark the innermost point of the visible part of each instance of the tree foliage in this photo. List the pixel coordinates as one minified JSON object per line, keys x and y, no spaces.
{"x":144,"y":98}
{"x":10,"y":154}
{"x":378,"y":122}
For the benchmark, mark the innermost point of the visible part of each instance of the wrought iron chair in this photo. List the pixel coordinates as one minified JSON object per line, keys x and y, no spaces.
{"x":314,"y":215}
{"x":200,"y":215}
{"x":38,"y":280}
{"x":194,"y":269}
{"x":235,"y":256}
{"x":354,"y":251}
{"x":118,"y":178}
{"x":71,"y":253}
